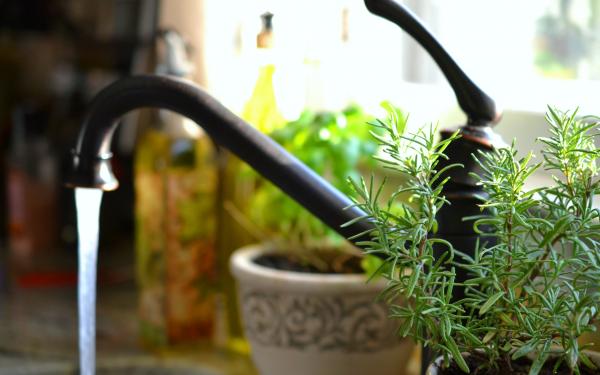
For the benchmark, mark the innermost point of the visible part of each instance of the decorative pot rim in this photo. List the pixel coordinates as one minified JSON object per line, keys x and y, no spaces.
{"x":434,"y":367}
{"x":244,"y":269}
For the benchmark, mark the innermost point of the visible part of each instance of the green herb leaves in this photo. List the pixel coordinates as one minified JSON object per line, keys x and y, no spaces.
{"x":420,"y":286}
{"x":490,"y":302}
{"x":545,"y":257}
{"x":530,"y":292}
{"x":333,"y":144}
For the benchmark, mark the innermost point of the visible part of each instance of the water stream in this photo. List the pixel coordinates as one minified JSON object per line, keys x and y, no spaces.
{"x":87,"y":202}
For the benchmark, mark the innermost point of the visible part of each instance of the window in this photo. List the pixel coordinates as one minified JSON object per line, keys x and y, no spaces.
{"x":525,"y":54}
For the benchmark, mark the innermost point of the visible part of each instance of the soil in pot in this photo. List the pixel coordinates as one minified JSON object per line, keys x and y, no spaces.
{"x":327,"y":262}
{"x":518,"y":367}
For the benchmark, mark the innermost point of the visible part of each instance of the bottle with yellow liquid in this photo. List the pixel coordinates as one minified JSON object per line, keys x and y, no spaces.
{"x":176,"y":209}
{"x":239,"y":182}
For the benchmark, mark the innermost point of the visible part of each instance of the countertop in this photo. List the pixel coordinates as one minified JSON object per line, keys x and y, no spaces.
{"x":38,"y":335}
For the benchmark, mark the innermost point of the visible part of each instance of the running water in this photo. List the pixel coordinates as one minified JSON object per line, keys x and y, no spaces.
{"x":87,"y":202}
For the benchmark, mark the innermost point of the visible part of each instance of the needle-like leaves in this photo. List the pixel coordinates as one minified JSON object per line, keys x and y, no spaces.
{"x":532,"y":291}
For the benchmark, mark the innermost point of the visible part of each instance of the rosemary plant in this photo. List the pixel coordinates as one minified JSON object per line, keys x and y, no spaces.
{"x":532,"y":283}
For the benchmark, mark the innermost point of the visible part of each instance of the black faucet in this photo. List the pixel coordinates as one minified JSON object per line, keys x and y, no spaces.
{"x":90,"y":165}
{"x":476,"y":134}
{"x":461,"y":191}
{"x":90,"y":162}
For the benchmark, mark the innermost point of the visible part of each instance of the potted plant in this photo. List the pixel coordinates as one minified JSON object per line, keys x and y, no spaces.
{"x":531,"y":285}
{"x":305,"y":303}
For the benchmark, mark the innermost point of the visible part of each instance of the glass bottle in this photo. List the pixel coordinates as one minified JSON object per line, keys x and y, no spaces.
{"x":31,"y":194}
{"x":239,"y":181}
{"x":176,"y":191}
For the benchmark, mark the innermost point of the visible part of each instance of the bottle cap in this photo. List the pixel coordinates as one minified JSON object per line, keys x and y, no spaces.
{"x":264,"y":39}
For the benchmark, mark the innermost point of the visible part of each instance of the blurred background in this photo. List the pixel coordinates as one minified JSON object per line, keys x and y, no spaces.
{"x":310,"y":62}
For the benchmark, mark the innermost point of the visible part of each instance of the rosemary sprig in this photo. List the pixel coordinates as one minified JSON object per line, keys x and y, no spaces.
{"x":532,"y":291}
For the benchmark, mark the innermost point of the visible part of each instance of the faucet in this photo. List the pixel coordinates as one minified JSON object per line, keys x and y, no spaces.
{"x":477,"y":134}
{"x":90,"y":159}
{"x":461,"y":191}
{"x":89,"y":165}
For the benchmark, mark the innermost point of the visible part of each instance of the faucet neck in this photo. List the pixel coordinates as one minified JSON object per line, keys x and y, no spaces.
{"x":90,"y":162}
{"x":480,"y":109}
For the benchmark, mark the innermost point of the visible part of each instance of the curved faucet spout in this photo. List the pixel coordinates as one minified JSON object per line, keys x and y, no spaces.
{"x":480,"y":109}
{"x":90,"y":163}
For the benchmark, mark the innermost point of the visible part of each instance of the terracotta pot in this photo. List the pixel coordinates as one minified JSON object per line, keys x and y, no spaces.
{"x":434,"y":368}
{"x":300,"y":323}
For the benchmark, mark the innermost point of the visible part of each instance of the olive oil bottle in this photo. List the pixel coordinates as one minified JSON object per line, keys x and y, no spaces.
{"x":239,"y":181}
{"x":176,"y":209}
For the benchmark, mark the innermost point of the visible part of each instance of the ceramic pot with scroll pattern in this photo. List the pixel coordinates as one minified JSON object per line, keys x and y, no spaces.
{"x":318,"y":324}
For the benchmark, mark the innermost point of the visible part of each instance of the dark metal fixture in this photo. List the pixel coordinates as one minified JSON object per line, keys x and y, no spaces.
{"x":476,"y":135}
{"x":90,"y":160}
{"x":90,"y":164}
